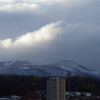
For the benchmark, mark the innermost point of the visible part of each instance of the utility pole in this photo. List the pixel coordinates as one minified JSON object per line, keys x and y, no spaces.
{"x":69,"y":83}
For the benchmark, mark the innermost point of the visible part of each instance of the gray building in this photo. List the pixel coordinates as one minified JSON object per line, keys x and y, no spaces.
{"x":56,"y":89}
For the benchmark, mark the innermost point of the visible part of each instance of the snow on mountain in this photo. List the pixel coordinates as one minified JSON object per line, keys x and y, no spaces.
{"x":24,"y":67}
{"x":19,"y":64}
{"x":61,"y":69}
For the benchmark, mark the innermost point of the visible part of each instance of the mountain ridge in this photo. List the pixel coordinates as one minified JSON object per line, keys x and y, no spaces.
{"x":24,"y":67}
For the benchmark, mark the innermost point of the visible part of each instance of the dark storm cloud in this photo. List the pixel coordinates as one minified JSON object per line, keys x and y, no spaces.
{"x":34,"y":31}
{"x":22,"y":18}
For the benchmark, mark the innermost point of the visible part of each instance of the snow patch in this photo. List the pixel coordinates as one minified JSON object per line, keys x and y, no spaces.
{"x":8,"y":64}
{"x":24,"y":68}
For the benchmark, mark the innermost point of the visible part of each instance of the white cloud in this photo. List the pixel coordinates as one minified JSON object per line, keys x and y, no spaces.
{"x":67,"y":33}
{"x":6,"y":1}
{"x":26,"y":1}
{"x":44,"y":34}
{"x":6,"y":43}
{"x":19,"y":7}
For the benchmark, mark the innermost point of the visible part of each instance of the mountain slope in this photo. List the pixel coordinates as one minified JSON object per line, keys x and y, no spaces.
{"x":23,"y":67}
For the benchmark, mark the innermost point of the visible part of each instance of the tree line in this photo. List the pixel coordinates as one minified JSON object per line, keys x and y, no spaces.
{"x":19,"y":85}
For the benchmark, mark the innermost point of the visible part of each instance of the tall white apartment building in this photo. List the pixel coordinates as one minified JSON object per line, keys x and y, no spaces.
{"x":56,"y":89}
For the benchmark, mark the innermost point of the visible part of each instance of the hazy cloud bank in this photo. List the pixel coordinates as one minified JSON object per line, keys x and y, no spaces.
{"x":46,"y":31}
{"x":57,"y":41}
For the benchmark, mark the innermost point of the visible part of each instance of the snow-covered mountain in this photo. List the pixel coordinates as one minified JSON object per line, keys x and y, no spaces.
{"x":24,"y":67}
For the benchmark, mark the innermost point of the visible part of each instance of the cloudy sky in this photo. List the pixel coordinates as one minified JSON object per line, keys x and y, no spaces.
{"x":48,"y":31}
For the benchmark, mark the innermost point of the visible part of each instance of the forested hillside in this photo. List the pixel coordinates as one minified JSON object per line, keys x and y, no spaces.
{"x":18,"y":85}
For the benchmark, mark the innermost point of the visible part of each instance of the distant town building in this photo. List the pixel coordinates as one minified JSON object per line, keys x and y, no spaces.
{"x":14,"y":97}
{"x":74,"y":93}
{"x":4,"y":99}
{"x":56,"y":89}
{"x":88,"y":94}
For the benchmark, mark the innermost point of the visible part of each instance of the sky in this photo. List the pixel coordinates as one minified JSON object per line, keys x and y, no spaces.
{"x":48,"y":31}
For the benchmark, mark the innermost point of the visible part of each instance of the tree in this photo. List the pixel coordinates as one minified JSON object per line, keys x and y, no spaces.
{"x":29,"y":96}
